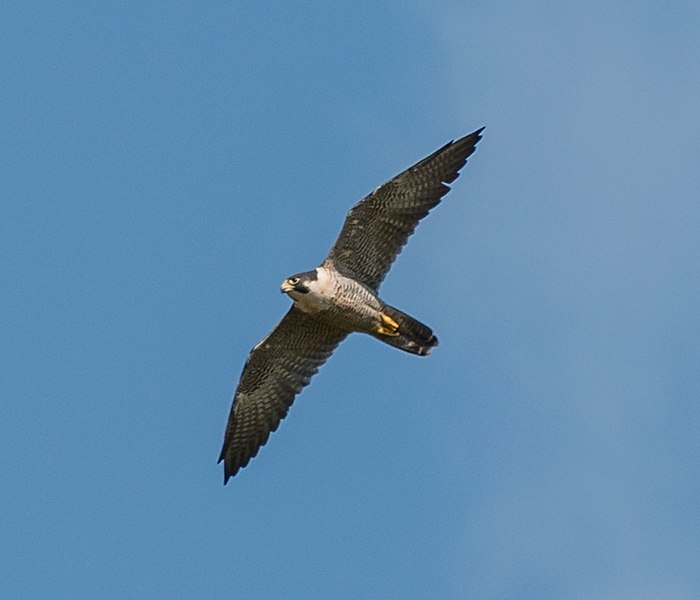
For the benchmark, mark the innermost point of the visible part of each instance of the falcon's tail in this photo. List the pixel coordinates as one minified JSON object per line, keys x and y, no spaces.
{"x":411,"y":335}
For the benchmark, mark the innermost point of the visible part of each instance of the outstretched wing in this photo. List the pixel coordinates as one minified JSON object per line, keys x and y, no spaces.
{"x":377,"y":227}
{"x":276,"y":371}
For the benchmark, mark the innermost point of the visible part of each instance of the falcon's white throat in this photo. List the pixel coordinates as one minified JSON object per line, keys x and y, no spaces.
{"x":320,"y":295}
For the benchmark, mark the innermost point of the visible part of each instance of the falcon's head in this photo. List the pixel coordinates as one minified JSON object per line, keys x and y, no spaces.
{"x":298,"y":284}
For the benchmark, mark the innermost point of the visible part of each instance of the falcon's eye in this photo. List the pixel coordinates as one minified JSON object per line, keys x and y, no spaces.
{"x":293,"y":280}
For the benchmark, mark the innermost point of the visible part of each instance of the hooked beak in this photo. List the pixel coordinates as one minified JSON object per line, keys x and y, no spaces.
{"x":285,"y":288}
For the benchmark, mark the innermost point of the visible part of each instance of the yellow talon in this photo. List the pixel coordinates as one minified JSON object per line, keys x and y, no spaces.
{"x":388,"y":326}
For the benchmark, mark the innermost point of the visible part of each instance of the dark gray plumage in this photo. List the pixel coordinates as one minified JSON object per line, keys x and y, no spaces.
{"x":340,"y":297}
{"x":276,"y":371}
{"x":378,"y":227}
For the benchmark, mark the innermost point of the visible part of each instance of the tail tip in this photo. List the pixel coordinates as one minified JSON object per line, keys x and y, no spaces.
{"x":423,"y":349}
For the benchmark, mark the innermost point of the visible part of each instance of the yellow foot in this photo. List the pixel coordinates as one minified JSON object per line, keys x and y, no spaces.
{"x":387,"y":325}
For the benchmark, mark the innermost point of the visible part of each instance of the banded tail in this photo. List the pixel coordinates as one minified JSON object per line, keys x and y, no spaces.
{"x":410,"y":335}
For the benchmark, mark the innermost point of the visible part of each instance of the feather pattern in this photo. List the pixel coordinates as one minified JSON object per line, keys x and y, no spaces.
{"x":377,"y":228}
{"x":276,"y":371}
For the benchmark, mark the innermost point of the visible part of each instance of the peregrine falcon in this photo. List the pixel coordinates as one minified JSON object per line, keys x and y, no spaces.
{"x":340,"y":297}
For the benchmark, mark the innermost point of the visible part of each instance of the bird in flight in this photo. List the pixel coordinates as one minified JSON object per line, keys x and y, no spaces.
{"x":337,"y":298}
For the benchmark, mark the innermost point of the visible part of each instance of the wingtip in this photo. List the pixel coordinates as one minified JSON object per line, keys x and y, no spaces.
{"x":460,"y":150}
{"x":227,"y":473}
{"x":474,"y":135}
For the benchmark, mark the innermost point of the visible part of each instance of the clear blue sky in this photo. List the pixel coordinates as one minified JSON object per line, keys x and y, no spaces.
{"x":163,"y":166}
